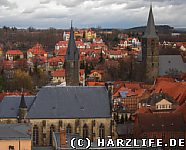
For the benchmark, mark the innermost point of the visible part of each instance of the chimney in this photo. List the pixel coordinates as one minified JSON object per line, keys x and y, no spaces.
{"x":62,"y":138}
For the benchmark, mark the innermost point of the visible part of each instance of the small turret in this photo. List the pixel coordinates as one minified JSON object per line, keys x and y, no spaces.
{"x":22,"y":109}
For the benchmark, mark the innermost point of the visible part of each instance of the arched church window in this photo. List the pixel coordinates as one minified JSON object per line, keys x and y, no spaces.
{"x":102,"y":131}
{"x":35,"y":135}
{"x":85,"y":131}
{"x":68,"y":129}
{"x":52,"y":129}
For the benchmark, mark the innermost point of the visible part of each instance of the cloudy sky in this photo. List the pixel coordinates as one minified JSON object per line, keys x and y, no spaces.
{"x":90,"y":13}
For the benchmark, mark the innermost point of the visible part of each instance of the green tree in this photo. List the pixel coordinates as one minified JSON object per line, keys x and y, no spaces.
{"x":22,"y":80}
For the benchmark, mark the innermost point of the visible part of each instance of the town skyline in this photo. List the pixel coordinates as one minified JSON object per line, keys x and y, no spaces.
{"x":44,"y":14}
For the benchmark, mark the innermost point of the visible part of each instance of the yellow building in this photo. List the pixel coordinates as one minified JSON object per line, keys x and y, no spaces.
{"x":1,"y":52}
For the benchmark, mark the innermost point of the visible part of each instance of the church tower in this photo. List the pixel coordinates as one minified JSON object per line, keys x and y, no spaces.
{"x":150,"y":52}
{"x":72,"y":62}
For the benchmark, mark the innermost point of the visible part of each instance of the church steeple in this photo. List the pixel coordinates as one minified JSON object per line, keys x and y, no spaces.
{"x":72,"y":51}
{"x":150,"y":30}
{"x":150,"y":52}
{"x":72,"y":62}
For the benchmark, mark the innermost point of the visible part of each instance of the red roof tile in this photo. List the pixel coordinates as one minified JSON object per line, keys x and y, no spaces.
{"x":175,"y":89}
{"x":59,"y":73}
{"x":14,"y":52}
{"x":181,"y":109}
{"x":95,"y":84}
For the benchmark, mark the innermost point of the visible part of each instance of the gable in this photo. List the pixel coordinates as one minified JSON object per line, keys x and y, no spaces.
{"x":164,"y":102}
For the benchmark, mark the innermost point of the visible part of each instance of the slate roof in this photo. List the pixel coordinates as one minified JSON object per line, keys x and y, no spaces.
{"x":71,"y":102}
{"x":72,"y":52}
{"x":167,"y":62}
{"x":150,"y":30}
{"x":9,"y":106}
{"x":15,"y":131}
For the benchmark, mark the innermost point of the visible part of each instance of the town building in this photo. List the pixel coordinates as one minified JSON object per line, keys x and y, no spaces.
{"x":160,"y":126}
{"x":159,"y":103}
{"x":14,"y":55}
{"x":15,"y":137}
{"x":129,"y":95}
{"x":58,"y":76}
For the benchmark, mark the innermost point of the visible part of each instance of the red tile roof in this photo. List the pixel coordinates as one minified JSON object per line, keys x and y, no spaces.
{"x":14,"y":52}
{"x":98,"y":71}
{"x":56,"y":59}
{"x":82,"y":71}
{"x":59,"y":73}
{"x":175,"y":89}
{"x":143,"y":110}
{"x":60,"y":52}
{"x":131,"y":89}
{"x":182,"y":109}
{"x":95,"y":84}
{"x":37,"y":50}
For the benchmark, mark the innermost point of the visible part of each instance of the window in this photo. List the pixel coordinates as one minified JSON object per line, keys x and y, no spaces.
{"x":68,"y":129}
{"x":11,"y":147}
{"x":85,"y":131}
{"x":35,"y":135}
{"x":52,"y":129}
{"x":102,"y":131}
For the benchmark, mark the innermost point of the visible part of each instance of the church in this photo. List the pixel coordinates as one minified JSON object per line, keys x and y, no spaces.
{"x":146,"y":68}
{"x":81,"y":110}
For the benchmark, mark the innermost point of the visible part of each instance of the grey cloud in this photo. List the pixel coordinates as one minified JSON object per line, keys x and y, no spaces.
{"x":87,"y":13}
{"x":7,"y":4}
{"x":168,"y":2}
{"x":33,"y":9}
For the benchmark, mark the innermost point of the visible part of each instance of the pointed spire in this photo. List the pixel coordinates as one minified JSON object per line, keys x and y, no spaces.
{"x":72,"y":51}
{"x":22,"y":103}
{"x":150,"y":30}
{"x":71,"y":24}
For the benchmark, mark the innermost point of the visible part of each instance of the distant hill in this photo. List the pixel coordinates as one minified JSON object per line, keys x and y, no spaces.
{"x":161,"y":29}
{"x":180,"y":30}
